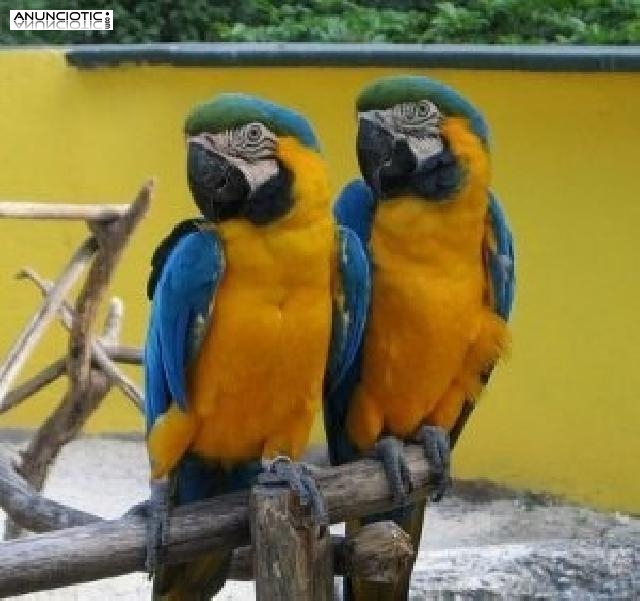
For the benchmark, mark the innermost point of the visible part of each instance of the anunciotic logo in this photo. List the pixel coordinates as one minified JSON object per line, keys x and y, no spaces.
{"x":56,"y":20}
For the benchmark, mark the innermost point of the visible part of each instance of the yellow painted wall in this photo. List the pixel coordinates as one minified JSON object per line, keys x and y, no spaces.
{"x":563,"y":415}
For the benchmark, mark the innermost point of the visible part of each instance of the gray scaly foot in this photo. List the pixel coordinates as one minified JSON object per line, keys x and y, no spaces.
{"x":437,"y":450}
{"x":390,"y":450}
{"x":282,"y":471}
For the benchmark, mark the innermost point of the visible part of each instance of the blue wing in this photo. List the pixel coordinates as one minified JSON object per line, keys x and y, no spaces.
{"x":181,"y":301}
{"x":500,"y":260}
{"x":350,"y":308}
{"x":353,"y":211}
{"x":163,"y":250}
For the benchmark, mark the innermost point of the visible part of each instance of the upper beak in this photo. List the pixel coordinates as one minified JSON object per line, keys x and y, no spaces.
{"x":383,"y":157}
{"x":218,"y":187}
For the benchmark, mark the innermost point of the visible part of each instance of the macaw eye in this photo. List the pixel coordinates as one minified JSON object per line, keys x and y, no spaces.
{"x":254,"y":132}
{"x":423,"y":109}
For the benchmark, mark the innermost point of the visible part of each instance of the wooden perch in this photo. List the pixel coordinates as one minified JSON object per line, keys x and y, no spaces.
{"x":34,"y":330}
{"x":111,"y":548}
{"x":67,"y":316}
{"x":380,"y":551}
{"x":50,"y":210}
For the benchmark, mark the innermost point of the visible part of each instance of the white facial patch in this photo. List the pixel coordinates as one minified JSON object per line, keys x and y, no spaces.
{"x":416,"y":122}
{"x":250,"y":148}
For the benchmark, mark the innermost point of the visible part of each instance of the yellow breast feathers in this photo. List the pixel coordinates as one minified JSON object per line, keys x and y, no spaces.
{"x":430,"y":333}
{"x":256,"y":382}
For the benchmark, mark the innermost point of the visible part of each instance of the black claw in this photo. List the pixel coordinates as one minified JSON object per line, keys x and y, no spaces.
{"x":390,"y":450}
{"x":283,"y":471}
{"x":437,"y":450}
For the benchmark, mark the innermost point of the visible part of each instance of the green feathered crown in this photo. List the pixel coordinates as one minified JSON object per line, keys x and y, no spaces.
{"x":388,"y":91}
{"x":227,"y":111}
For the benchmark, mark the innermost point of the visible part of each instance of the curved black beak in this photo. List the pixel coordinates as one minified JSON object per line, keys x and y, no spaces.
{"x":385,"y":161}
{"x":219,"y":188}
{"x":390,"y":166}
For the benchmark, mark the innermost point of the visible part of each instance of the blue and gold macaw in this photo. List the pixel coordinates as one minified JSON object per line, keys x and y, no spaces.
{"x":442,"y":269}
{"x":240,"y":325}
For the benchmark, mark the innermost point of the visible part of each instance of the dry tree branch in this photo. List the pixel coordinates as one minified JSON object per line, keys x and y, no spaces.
{"x":87,"y":386}
{"x":35,"y":328}
{"x":51,"y":210}
{"x":112,"y":237}
{"x":49,"y":374}
{"x":28,"y":508}
{"x":67,"y":316}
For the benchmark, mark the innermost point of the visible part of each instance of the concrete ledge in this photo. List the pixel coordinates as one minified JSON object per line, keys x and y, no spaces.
{"x":450,"y":56}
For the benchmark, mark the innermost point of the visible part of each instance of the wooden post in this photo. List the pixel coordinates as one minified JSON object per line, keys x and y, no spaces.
{"x":292,"y":553}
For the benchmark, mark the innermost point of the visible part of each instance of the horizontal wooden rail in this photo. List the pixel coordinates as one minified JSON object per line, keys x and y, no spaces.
{"x":111,"y":548}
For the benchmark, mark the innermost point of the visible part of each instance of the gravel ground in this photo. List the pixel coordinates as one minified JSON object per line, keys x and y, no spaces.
{"x":482,"y":542}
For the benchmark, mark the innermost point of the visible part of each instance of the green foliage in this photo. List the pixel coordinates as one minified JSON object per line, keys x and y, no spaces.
{"x":396,"y":21}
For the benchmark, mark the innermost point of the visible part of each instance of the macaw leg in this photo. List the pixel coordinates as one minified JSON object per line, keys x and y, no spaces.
{"x":155,"y":511}
{"x":157,"y":524}
{"x":390,"y":451}
{"x":282,"y":471}
{"x":437,"y":450}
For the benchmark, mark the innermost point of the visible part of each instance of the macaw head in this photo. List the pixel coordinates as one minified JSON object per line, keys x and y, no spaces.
{"x":234,"y":164}
{"x":418,"y":136}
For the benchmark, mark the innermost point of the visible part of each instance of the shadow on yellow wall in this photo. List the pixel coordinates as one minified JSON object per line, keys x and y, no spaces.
{"x":561,"y":415}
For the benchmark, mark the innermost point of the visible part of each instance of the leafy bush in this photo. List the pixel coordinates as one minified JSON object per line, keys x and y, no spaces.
{"x":396,"y":21}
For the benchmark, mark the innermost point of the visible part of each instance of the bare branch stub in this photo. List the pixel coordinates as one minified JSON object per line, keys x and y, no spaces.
{"x":113,"y":322}
{"x":382,"y":550}
{"x":130,"y":355}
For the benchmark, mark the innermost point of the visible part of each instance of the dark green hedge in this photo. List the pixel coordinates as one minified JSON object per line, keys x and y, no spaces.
{"x":461,"y":21}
